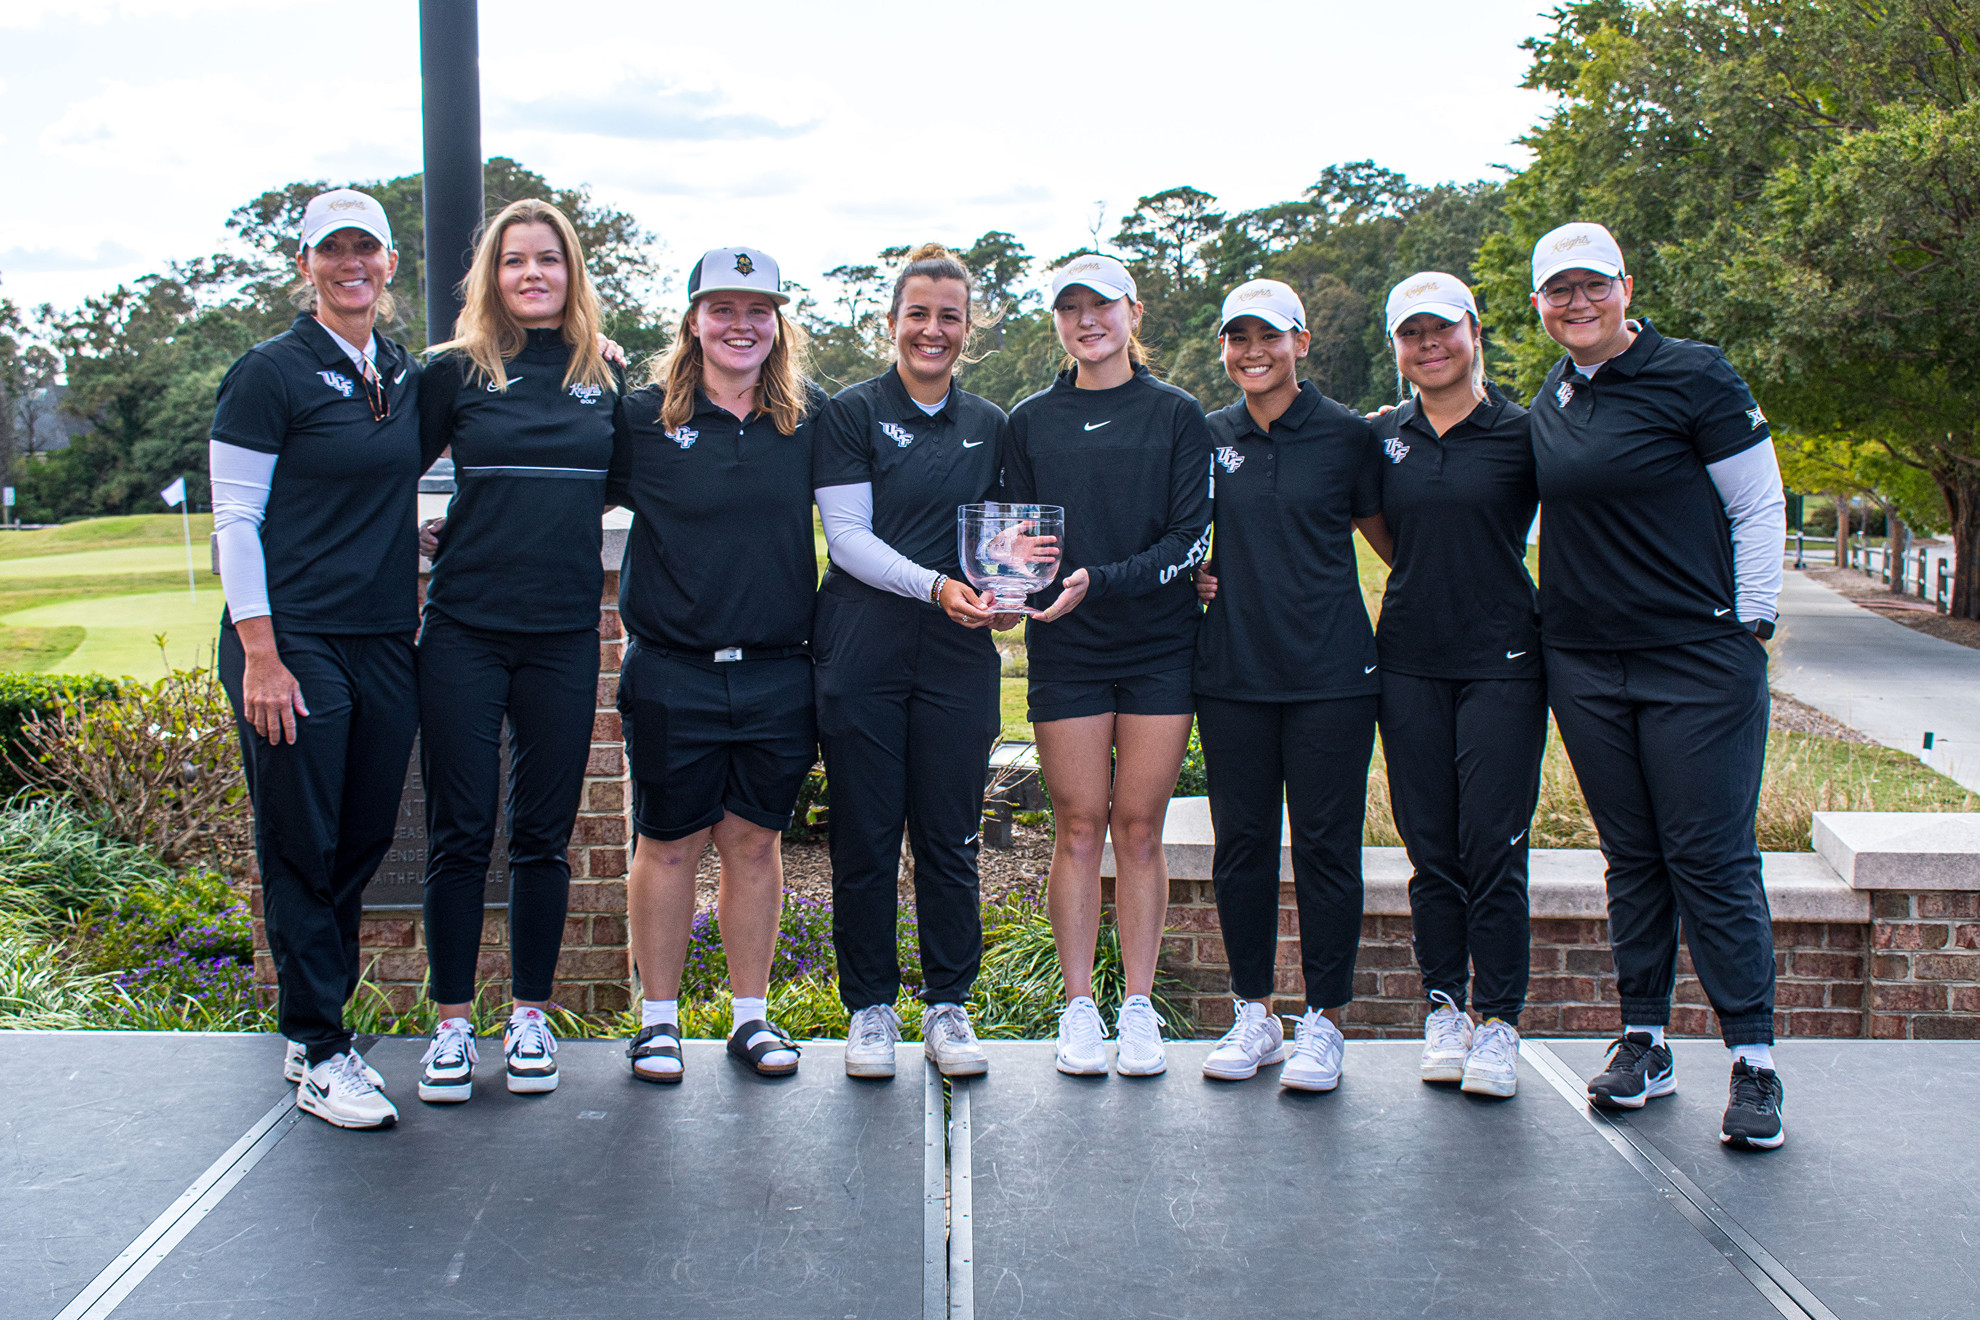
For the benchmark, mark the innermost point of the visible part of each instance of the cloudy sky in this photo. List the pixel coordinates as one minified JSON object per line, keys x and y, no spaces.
{"x":820,"y":132}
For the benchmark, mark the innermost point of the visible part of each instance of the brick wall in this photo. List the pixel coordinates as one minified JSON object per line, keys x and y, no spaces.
{"x":1912,"y":972}
{"x":593,"y":974}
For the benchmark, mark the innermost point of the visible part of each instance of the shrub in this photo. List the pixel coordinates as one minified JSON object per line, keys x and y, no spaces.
{"x":814,"y":800}
{"x":27,"y":696}
{"x":53,"y":866}
{"x":1192,"y":781}
{"x":804,"y":948}
{"x":1019,"y":991}
{"x":157,"y":764}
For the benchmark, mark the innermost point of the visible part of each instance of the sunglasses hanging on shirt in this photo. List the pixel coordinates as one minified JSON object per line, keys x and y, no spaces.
{"x":374,"y":390}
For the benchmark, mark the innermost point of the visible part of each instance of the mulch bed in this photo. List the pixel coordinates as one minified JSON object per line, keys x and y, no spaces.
{"x":1908,"y":610}
{"x":1798,"y":717}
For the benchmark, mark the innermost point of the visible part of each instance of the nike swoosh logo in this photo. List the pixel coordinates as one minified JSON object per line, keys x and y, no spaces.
{"x":1094,"y":426}
{"x":396,"y":379}
{"x":1720,"y":614}
{"x":971,"y":444}
{"x":1514,"y":655}
{"x":1369,"y":670}
{"x":972,"y":838}
{"x":1517,"y":837}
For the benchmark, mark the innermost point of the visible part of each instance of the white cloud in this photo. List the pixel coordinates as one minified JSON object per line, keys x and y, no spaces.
{"x":108,"y":255}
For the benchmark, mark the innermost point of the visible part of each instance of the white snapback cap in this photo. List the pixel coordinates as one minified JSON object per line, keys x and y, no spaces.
{"x":1430,"y":291}
{"x":736,"y":270}
{"x":344,"y":208}
{"x":1271,"y":301}
{"x":1104,"y":275}
{"x":1579,"y":246}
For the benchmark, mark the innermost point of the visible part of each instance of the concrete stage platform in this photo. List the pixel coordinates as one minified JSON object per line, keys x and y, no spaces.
{"x":157,"y":1175}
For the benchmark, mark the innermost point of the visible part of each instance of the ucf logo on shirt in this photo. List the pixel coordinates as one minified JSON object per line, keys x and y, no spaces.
{"x":338,"y":381}
{"x":684,"y":437}
{"x":1395,"y":448}
{"x":899,"y":436}
{"x":1230,"y":458}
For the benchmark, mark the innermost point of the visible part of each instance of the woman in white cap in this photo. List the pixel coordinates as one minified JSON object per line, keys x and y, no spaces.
{"x":1660,"y":568}
{"x":1127,"y":456}
{"x":906,"y":671}
{"x":716,"y":692}
{"x":315,"y":463}
{"x":525,"y":396}
{"x":1464,"y":695}
{"x":1286,"y":683}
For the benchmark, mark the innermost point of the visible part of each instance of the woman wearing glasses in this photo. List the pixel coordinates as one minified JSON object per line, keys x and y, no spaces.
{"x":315,"y":463}
{"x":1660,"y":566}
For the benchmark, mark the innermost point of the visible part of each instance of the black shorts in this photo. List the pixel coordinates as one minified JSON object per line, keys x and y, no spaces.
{"x":1166,"y":693}
{"x":705,"y":738}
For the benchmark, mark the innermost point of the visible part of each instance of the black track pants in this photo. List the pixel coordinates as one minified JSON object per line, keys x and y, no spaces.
{"x":1312,"y":756}
{"x":907,"y":712}
{"x":1668,"y":744}
{"x":547,"y":686}
{"x":1464,"y":775}
{"x":325,"y":808}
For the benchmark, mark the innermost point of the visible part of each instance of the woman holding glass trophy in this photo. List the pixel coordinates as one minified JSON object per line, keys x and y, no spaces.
{"x":1127,"y":458}
{"x":906,"y":672}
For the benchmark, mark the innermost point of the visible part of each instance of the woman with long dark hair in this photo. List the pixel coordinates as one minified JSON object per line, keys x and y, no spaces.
{"x":526,"y":398}
{"x":906,"y":671}
{"x":315,"y":464}
{"x":716,"y":595}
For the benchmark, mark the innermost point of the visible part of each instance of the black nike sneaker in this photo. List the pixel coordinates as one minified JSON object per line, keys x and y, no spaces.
{"x":1638,"y":1071}
{"x":1753,"y":1113}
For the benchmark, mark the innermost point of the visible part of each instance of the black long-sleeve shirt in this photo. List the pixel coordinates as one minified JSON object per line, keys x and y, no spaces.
{"x":720,"y":553}
{"x":521,"y":548}
{"x":1131,"y":467}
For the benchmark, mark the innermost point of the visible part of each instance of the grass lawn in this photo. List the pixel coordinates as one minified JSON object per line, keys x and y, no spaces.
{"x":90,"y":596}
{"x":120,"y":632}
{"x":106,"y":533}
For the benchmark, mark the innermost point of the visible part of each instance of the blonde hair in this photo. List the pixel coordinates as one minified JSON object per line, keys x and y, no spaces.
{"x":1406,"y":388}
{"x":936,"y":262}
{"x":487,"y":335}
{"x":780,"y":384}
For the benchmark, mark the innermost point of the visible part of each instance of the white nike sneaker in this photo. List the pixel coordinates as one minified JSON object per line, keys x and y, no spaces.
{"x":338,"y":1092}
{"x":1082,"y":1040}
{"x":447,"y":1071}
{"x":1138,"y":1048}
{"x":870,"y":1038}
{"x":1492,"y":1067}
{"x":1315,"y":1064}
{"x":295,"y":1065}
{"x":1446,"y":1041}
{"x":1256,"y":1038}
{"x":530,"y":1052}
{"x":949,"y":1040}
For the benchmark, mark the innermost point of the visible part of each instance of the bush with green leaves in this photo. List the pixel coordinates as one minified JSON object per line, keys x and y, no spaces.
{"x":29,"y":696}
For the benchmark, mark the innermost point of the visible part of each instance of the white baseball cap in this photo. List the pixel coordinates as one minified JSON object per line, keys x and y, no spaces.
{"x":736,"y":270}
{"x":1271,"y":301}
{"x":344,"y":208}
{"x":1434,"y":292}
{"x":1579,"y":246}
{"x":1104,"y":275}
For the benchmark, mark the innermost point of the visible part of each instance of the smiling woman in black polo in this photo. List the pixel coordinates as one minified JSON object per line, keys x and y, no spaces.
{"x":315,"y":464}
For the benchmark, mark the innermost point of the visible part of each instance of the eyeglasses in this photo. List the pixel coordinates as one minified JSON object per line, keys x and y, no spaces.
{"x":374,"y":391}
{"x":1597,"y":287}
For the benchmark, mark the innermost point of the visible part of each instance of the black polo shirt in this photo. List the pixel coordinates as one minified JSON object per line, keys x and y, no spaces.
{"x":520,"y":552}
{"x":1635,"y":546}
{"x":720,"y":553}
{"x":1130,"y":466}
{"x":1288,"y":622}
{"x":1459,"y":603}
{"x":921,"y":466}
{"x":339,"y":535}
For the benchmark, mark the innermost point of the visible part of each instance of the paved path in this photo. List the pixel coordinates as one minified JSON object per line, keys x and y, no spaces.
{"x":1892,"y":683}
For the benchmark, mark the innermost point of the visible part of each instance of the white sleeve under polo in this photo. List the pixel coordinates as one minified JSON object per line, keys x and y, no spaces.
{"x":242,"y":479}
{"x":1749,"y":485}
{"x":846,"y":512}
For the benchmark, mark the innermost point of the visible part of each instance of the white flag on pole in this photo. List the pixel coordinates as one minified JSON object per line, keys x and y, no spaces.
{"x":175,"y":494}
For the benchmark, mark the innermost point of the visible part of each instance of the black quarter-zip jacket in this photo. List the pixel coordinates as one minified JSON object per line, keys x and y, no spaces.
{"x":1635,"y":546}
{"x":921,"y":466}
{"x":1459,"y":604}
{"x":339,"y":535}
{"x":1288,"y":622}
{"x":520,"y":552}
{"x":720,"y":553}
{"x":1131,"y":467}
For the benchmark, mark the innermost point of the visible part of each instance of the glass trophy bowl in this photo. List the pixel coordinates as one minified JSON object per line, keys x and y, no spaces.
{"x":1010,"y":550}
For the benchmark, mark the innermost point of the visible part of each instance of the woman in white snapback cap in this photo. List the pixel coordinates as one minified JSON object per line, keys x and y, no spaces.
{"x":1660,"y":568}
{"x":315,"y":464}
{"x":1464,"y":703}
{"x":1286,"y":684}
{"x":1128,"y":458}
{"x":715,"y":692}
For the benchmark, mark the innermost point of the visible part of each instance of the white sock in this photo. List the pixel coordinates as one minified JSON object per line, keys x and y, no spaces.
{"x":1756,"y":1056}
{"x":1656,"y":1034}
{"x":748,"y":1010}
{"x":659,"y":1012}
